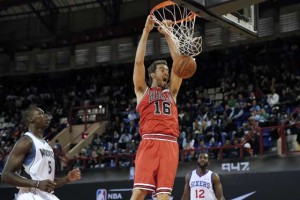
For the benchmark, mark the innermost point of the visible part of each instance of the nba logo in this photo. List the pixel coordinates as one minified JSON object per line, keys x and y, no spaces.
{"x":101,"y":194}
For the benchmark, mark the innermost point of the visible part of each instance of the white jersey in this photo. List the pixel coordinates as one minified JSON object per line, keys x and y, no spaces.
{"x":39,"y":164}
{"x":201,"y":187}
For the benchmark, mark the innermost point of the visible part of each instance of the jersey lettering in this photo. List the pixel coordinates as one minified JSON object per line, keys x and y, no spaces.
{"x":47,"y":153}
{"x":159,"y":95}
{"x":200,"y":183}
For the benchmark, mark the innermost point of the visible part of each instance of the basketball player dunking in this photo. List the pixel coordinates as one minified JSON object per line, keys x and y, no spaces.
{"x":33,"y":153}
{"x":157,"y":157}
{"x":202,"y":183}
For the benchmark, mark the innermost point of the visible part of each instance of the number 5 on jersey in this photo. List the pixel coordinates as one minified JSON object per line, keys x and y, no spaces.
{"x":49,"y":167}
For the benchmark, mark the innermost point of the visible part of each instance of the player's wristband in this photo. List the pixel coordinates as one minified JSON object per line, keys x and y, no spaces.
{"x":37,"y":183}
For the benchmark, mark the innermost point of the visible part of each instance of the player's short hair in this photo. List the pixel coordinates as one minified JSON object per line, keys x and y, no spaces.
{"x":208,"y":156}
{"x":153,"y":66}
{"x":26,"y":114}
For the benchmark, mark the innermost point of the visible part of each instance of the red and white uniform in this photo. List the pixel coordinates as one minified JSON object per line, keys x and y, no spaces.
{"x":157,"y":157}
{"x":201,"y":187}
{"x":158,"y":113}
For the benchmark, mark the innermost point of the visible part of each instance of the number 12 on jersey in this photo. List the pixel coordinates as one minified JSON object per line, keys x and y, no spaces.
{"x":199,"y":194}
{"x":164,"y":109}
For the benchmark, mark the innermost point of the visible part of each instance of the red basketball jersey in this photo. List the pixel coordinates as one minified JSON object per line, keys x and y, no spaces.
{"x":158,"y":112}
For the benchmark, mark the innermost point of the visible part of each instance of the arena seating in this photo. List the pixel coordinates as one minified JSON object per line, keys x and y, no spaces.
{"x":207,"y":99}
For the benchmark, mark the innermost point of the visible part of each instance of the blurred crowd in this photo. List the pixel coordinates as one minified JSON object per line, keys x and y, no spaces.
{"x":222,"y":105}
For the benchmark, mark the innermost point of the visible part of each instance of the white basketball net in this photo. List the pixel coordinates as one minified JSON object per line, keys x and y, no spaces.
{"x":180,"y":31}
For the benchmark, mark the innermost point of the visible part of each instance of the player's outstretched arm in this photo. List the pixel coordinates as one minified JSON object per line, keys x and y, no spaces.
{"x":73,"y":175}
{"x":218,"y":187}
{"x":187,"y":189}
{"x":139,"y":68}
{"x":175,"y":81}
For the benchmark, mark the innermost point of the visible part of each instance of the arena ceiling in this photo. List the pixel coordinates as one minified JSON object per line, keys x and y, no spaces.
{"x":48,"y":11}
{"x":14,"y":9}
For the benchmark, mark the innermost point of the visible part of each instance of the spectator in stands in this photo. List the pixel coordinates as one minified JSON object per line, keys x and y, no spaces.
{"x":227,"y":111}
{"x":286,"y":96}
{"x":136,"y":138}
{"x":255,"y":115}
{"x":241,"y":101}
{"x":251,"y":98}
{"x":206,"y":100}
{"x":248,"y":151}
{"x":252,"y":129}
{"x":125,"y":139}
{"x":235,"y":150}
{"x":232,"y":101}
{"x":203,"y":148}
{"x":77,"y":161}
{"x":197,"y":129}
{"x":226,"y":153}
{"x":229,"y":131}
{"x":236,"y":112}
{"x":254,"y":106}
{"x":58,"y":154}
{"x":132,"y":116}
{"x":206,"y":114}
{"x":96,"y":141}
{"x":58,"y":146}
{"x":187,"y":119}
{"x":115,"y":140}
{"x":213,"y":131}
{"x":291,"y":134}
{"x":264,"y":118}
{"x":122,"y":128}
{"x":273,"y":98}
{"x":219,"y":109}
{"x":265,"y":84}
{"x":132,"y":127}
{"x":94,"y":161}
{"x":188,"y":147}
{"x":273,"y":122}
{"x":213,"y":151}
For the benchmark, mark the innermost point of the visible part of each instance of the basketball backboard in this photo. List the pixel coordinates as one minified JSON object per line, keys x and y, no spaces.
{"x":237,"y":15}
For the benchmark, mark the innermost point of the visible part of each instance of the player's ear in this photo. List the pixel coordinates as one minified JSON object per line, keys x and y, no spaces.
{"x":152,"y":75}
{"x":30,"y":119}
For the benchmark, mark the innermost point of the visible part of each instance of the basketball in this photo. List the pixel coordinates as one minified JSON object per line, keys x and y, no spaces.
{"x":184,"y":67}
